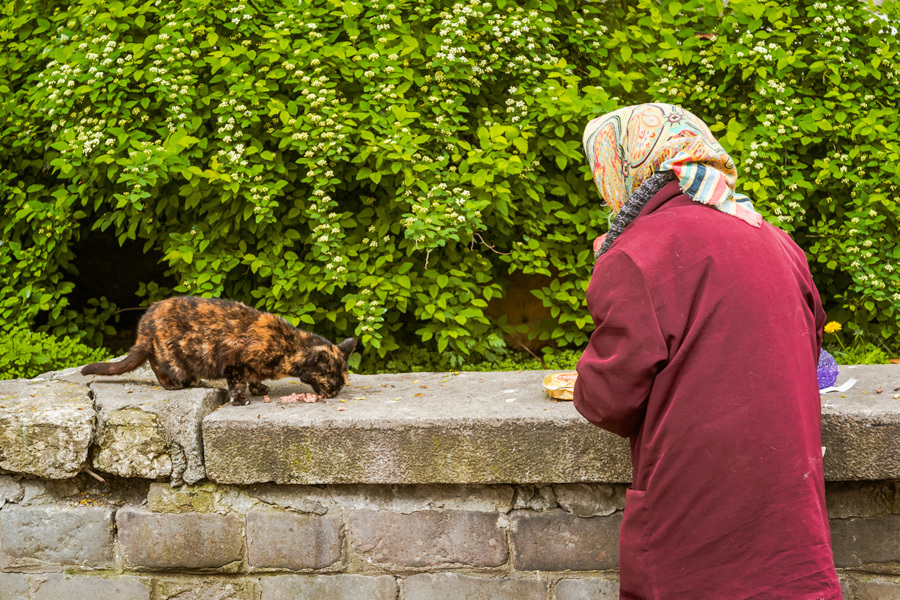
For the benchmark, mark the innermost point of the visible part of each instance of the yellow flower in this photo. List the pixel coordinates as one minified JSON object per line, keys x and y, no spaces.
{"x":833,"y":327}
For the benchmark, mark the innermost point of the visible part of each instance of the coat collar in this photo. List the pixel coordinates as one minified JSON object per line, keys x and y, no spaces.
{"x":670,"y":193}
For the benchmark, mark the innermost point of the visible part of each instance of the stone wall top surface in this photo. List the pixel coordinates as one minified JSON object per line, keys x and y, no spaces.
{"x":861,"y":427}
{"x":491,"y":428}
{"x":45,"y":427}
{"x":415,"y":428}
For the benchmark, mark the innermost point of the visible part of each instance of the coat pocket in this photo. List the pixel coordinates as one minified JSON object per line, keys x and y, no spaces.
{"x":635,"y":577}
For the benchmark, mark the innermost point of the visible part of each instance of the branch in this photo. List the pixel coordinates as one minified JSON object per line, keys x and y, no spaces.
{"x":491,"y":248}
{"x":92,"y":474}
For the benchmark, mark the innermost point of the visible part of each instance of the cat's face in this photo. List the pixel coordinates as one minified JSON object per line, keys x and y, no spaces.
{"x":325,"y":370}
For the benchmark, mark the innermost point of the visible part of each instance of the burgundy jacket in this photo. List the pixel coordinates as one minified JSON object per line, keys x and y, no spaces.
{"x":707,"y":336}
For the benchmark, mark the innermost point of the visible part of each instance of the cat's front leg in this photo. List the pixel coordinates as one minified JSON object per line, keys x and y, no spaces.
{"x":258,"y":389}
{"x":237,"y":377}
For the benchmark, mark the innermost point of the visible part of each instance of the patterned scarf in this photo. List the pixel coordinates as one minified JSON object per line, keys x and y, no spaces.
{"x":627,"y":146}
{"x":632,"y":208}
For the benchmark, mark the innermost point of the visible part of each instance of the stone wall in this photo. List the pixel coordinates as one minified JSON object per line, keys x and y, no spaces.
{"x":406,"y":487}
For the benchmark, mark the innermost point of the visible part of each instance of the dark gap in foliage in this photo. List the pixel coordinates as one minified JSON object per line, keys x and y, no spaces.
{"x":104,"y":268}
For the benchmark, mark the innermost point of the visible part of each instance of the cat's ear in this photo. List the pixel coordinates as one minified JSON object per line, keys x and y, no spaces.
{"x":347,"y":346}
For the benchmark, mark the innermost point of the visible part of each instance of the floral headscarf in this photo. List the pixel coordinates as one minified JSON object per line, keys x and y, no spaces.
{"x":626,"y":146}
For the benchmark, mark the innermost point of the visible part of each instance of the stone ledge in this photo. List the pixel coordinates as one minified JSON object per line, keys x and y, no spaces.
{"x":414,"y":428}
{"x":45,"y":428}
{"x":148,"y":432}
{"x":425,"y":428}
{"x":486,"y":428}
{"x":860,"y":428}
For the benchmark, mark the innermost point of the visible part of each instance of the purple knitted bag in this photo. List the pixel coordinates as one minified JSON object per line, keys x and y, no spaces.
{"x":827,"y":370}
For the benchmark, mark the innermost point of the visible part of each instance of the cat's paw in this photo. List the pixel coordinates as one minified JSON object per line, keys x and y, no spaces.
{"x":258,"y":389}
{"x":240,"y":400}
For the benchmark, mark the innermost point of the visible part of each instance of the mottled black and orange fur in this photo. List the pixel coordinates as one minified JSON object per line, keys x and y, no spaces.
{"x":187,"y":339}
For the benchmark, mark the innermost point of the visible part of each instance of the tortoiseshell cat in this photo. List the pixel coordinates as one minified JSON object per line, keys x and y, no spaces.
{"x":186,"y":339}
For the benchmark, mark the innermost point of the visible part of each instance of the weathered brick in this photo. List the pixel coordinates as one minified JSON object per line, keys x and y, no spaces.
{"x":594,"y":588}
{"x":860,"y":499}
{"x":143,"y":431}
{"x":453,"y":586}
{"x":534,"y":497}
{"x":866,"y":541}
{"x":415,"y":498}
{"x":205,"y":588}
{"x":162,"y":497}
{"x":178,"y":541}
{"x":429,"y":538}
{"x":590,"y":500}
{"x":329,"y":587}
{"x":291,"y":541}
{"x":59,"y":587}
{"x":13,"y":586}
{"x":10,"y":490}
{"x":558,"y":541}
{"x":62,"y":535}
{"x":46,"y":427}
{"x":299,"y":498}
{"x":870,"y":588}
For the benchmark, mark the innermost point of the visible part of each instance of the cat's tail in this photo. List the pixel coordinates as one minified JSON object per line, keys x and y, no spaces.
{"x":136,"y":357}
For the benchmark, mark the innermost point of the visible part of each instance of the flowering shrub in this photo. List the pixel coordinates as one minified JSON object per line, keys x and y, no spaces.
{"x":380,"y":168}
{"x":803,"y":95}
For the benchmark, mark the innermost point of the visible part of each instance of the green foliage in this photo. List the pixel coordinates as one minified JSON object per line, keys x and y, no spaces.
{"x":804,"y":94}
{"x":25,"y":353}
{"x":861,"y":353}
{"x":418,"y":360}
{"x":380,"y":168}
{"x":858,"y":351}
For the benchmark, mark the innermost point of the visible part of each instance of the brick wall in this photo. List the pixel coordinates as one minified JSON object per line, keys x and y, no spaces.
{"x":399,"y":489}
{"x":81,"y":539}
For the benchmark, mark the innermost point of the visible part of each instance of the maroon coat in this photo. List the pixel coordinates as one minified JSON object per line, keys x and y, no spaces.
{"x":707,"y":336}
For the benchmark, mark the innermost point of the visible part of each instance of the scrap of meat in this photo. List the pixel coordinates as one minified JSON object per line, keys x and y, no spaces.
{"x":307,"y":397}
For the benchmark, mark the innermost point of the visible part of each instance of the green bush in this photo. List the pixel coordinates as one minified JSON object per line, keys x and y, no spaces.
{"x":856,"y":351}
{"x":862,"y":353}
{"x":25,"y":354}
{"x":419,"y":360}
{"x":381,"y":168}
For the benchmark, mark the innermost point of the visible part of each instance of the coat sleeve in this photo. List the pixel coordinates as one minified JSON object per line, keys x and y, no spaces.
{"x":626,"y":350}
{"x":820,"y":316}
{"x":812,"y":297}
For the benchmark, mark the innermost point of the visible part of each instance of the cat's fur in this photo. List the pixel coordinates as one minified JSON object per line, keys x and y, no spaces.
{"x":187,"y":339}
